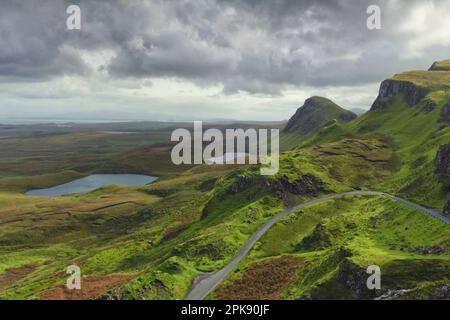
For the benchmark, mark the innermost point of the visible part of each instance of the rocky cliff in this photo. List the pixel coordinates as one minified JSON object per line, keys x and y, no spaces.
{"x":442,"y":163}
{"x":413,"y":94}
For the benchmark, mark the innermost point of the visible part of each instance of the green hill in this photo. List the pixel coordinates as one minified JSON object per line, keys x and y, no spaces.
{"x":400,"y":146}
{"x":440,"y":66}
{"x":195,"y":220}
{"x":411,"y":113}
{"x":315,"y":113}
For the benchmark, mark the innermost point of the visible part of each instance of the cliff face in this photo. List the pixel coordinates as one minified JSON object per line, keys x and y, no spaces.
{"x":442,"y":163}
{"x":413,"y":94}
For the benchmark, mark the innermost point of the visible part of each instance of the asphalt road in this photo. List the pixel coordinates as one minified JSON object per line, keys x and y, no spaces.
{"x":207,"y":283}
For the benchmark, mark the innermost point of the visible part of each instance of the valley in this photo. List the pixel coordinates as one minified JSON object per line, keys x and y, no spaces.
{"x":155,"y":241}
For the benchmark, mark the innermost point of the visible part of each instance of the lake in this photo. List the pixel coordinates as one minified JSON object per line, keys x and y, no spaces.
{"x":93,"y":182}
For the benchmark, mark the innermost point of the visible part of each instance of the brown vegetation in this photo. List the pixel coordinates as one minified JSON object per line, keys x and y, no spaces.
{"x":91,"y":288}
{"x":261,"y":280}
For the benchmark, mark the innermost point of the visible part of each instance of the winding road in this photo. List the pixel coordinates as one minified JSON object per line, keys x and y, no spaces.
{"x":203,"y":285}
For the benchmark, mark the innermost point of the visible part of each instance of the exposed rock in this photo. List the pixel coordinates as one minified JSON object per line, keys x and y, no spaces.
{"x":318,"y":239}
{"x":308,"y":184}
{"x":441,"y":292}
{"x":354,"y":278}
{"x":393,"y":294}
{"x":442,"y":162}
{"x":160,"y":287}
{"x":390,"y":88}
{"x":240,"y":183}
{"x":447,"y":207}
{"x":429,"y":106}
{"x":344,"y":253}
{"x":428,"y":250}
{"x":445,"y":114}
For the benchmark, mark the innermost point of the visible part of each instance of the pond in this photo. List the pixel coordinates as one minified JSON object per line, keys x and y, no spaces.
{"x":93,"y":182}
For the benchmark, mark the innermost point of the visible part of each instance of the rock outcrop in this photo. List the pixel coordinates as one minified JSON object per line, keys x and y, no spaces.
{"x":390,"y":88}
{"x":442,"y":163}
{"x":307,"y":184}
{"x":319,"y":239}
{"x":240,"y":183}
{"x":446,"y":210}
{"x":429,"y":106}
{"x":354,"y":278}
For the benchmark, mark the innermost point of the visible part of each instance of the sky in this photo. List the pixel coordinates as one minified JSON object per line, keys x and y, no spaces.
{"x":207,"y":59}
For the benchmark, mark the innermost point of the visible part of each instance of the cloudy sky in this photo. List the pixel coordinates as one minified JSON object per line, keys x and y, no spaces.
{"x":205,"y":59}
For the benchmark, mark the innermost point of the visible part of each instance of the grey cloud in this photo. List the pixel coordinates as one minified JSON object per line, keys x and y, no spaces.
{"x":253,"y":46}
{"x":32,"y":39}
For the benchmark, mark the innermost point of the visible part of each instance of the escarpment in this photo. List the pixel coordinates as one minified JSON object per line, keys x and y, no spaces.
{"x":413,"y":94}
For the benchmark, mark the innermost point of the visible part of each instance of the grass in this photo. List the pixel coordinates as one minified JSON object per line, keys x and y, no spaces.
{"x":362,"y":231}
{"x":413,"y":136}
{"x":150,"y":242}
{"x":443,"y":65}
{"x":434,"y":80}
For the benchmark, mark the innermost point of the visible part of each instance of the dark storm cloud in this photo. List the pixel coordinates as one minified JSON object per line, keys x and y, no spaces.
{"x":32,"y":38}
{"x":253,"y":46}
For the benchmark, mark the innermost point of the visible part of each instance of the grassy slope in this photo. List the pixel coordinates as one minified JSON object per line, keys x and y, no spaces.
{"x":355,"y":232}
{"x":106,"y":232}
{"x":161,"y":239}
{"x":441,"y":65}
{"x":324,"y":113}
{"x":415,"y":135}
{"x":407,"y":139}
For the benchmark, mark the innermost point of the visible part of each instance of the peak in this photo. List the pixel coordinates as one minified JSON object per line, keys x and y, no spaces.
{"x":443,"y":65}
{"x":316,"y":112}
{"x":319,"y":100}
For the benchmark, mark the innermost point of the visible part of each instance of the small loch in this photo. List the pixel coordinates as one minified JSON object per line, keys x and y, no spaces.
{"x":93,"y":182}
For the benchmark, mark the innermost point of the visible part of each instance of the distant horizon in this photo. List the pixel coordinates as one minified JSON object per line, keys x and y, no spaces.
{"x":25,"y":121}
{"x":96,"y":119}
